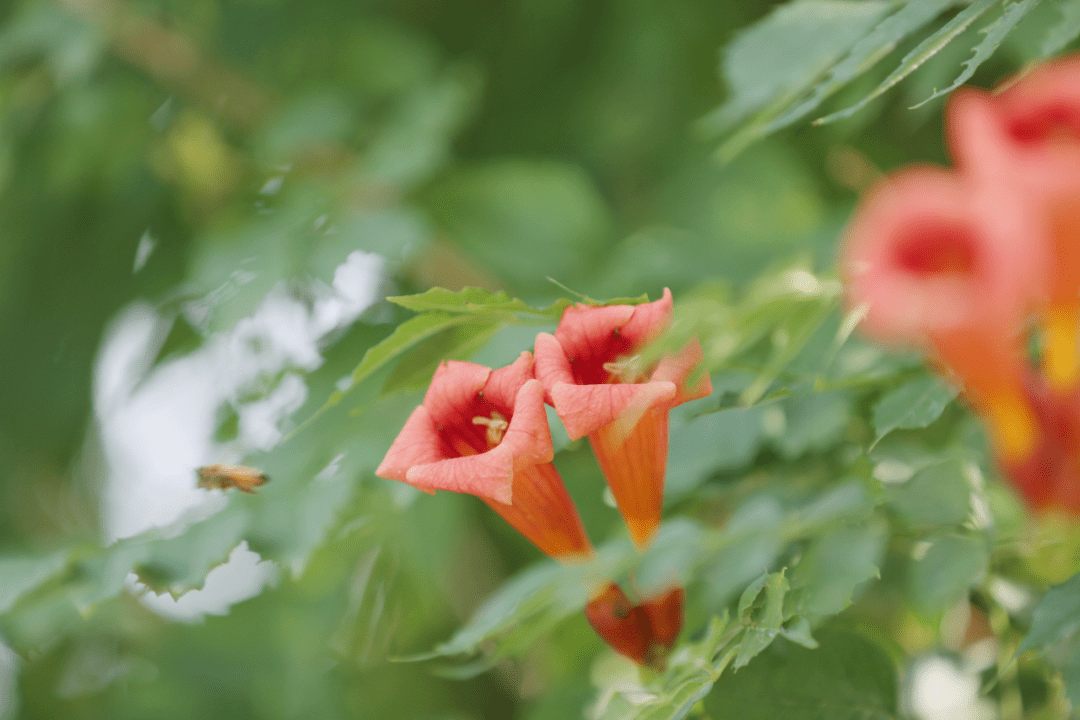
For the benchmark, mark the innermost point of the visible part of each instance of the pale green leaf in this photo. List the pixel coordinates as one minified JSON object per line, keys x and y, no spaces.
{"x":473,"y":300}
{"x":781,"y":55}
{"x":1056,"y":617}
{"x":945,"y":573}
{"x":925,"y":50}
{"x":834,"y":566}
{"x":20,"y":574}
{"x":915,"y":404}
{"x":687,"y":680}
{"x":936,"y":495}
{"x":865,"y":54}
{"x":763,"y":627}
{"x":995,"y":33}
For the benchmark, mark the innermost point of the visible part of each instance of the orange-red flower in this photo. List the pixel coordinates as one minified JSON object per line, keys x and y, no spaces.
{"x":1049,"y":477}
{"x":593,"y":374}
{"x":485,"y":432}
{"x":1027,"y":138}
{"x":953,"y":266}
{"x":646,"y":632}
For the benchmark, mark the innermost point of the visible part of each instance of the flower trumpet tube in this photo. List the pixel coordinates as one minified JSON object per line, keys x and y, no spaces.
{"x":1028,"y":137}
{"x":645,"y":632}
{"x":594,"y":376}
{"x":619,"y":623}
{"x":953,"y":266}
{"x":485,"y":432}
{"x":1049,"y":477}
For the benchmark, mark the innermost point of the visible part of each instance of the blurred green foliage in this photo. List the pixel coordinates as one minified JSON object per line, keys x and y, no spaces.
{"x":831,"y":509}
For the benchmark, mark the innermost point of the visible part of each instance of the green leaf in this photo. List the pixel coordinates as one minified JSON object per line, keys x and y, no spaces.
{"x":1056,"y":617}
{"x":866,"y":53}
{"x":473,"y":300}
{"x":687,"y":680}
{"x":763,"y":627}
{"x":406,"y":336}
{"x":459,"y":342}
{"x":915,"y":404}
{"x":780,"y":56}
{"x":532,"y":603}
{"x":995,"y":33}
{"x":925,"y":50}
{"x":789,"y":339}
{"x":48,"y":598}
{"x":1070,"y":676}
{"x":813,"y":421}
{"x":934,"y":496}
{"x":415,"y":141}
{"x":552,"y":211}
{"x":702,"y":445}
{"x":20,"y":574}
{"x":834,"y":566}
{"x":949,"y":568}
{"x":1065,"y":31}
{"x":847,"y":678}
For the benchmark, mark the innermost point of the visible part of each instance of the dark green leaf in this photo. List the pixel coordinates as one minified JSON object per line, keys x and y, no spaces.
{"x":847,"y":678}
{"x":1065,"y":31}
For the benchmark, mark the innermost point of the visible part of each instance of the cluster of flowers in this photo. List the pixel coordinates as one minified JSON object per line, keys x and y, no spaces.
{"x":485,"y":432}
{"x":979,"y":264}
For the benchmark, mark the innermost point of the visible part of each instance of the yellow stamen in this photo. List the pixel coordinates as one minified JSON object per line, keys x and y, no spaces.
{"x":1061,"y":359}
{"x":496,"y":427}
{"x":1013,"y":426}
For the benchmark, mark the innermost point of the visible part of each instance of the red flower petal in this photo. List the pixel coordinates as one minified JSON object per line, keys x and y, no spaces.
{"x":489,"y":475}
{"x":586,"y":408}
{"x":486,"y":433}
{"x":417,"y":444}
{"x":528,"y":437}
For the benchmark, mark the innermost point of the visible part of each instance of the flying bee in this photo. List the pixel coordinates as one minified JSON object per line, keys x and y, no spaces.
{"x":223,"y":477}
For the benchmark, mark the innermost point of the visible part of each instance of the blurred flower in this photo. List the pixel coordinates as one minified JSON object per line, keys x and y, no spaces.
{"x":594,"y":375}
{"x":645,"y":633}
{"x":485,"y":433}
{"x":1028,"y":138}
{"x":1049,"y":476}
{"x":954,"y":267}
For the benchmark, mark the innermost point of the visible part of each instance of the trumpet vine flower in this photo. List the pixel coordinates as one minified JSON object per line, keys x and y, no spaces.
{"x":645,"y":632}
{"x":1028,"y":138}
{"x":594,"y":376}
{"x":953,"y":266}
{"x":485,"y":432}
